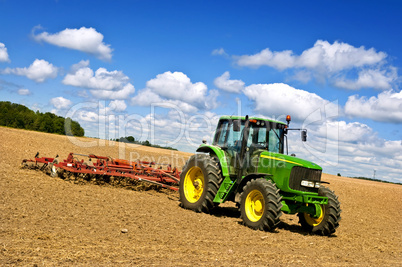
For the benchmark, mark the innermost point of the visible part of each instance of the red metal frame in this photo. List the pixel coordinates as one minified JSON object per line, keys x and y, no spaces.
{"x":138,"y":170}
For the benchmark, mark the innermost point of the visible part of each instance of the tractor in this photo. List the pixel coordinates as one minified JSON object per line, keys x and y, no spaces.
{"x":247,"y":164}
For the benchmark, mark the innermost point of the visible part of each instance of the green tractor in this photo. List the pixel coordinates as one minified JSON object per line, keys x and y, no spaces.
{"x":246,"y":164}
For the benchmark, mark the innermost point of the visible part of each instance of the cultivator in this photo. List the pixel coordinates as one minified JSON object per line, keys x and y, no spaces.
{"x":100,"y":167}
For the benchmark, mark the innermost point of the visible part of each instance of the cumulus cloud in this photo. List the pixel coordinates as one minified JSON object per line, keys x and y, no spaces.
{"x":279,"y":60}
{"x":102,"y":83}
{"x":176,"y":88}
{"x":219,"y":52}
{"x":374,"y":78}
{"x":23,"y":91}
{"x":329,"y":61}
{"x":386,"y":107}
{"x":84,"y":39}
{"x":338,"y":56}
{"x":223,"y":82}
{"x":39,"y":71}
{"x":3,"y":53}
{"x":346,"y":132}
{"x":61,"y":102}
{"x":334,"y":57}
{"x":279,"y":99}
{"x":118,"y":105}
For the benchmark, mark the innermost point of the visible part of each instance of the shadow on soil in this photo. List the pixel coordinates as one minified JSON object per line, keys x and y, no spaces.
{"x":232,"y":212}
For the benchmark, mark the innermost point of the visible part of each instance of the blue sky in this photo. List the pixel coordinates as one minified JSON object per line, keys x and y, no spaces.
{"x":165,"y":71}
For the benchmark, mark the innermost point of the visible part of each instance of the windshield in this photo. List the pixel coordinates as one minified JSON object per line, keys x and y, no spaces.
{"x":263,"y":135}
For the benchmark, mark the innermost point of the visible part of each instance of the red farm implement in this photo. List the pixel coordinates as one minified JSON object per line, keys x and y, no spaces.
{"x":100,"y":167}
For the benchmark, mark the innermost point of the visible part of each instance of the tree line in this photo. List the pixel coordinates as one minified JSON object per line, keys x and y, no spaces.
{"x":131,"y":140}
{"x":19,"y":116}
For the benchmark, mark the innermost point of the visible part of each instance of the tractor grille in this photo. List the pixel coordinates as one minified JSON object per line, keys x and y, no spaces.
{"x":301,"y":173}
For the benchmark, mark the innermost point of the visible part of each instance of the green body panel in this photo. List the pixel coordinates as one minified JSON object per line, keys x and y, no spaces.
{"x":224,"y":190}
{"x":219,"y":153}
{"x":280,"y":166}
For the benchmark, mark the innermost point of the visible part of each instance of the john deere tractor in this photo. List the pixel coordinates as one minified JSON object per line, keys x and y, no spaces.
{"x":246,"y":164}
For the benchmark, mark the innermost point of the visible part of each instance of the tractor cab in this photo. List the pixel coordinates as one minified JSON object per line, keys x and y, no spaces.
{"x":260,"y":134}
{"x":243,"y":139}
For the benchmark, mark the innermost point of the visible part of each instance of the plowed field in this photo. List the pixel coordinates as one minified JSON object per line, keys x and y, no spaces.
{"x":49,"y":221}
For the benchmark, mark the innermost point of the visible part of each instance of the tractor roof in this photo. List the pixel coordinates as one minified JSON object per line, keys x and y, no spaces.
{"x":226,"y":117}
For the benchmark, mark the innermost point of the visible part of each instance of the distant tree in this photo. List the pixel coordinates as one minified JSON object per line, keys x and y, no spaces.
{"x":146,"y":143}
{"x":339,"y":174}
{"x":19,"y":116}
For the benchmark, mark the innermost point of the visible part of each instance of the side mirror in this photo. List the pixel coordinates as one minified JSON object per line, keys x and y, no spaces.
{"x":304,"y":135}
{"x":236,"y":126}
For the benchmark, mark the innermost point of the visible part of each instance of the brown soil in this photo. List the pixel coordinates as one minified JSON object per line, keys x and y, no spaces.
{"x":50,"y":221}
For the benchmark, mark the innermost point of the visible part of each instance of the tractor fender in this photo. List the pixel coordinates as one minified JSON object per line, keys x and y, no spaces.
{"x":250,"y":177}
{"x":220,"y":154}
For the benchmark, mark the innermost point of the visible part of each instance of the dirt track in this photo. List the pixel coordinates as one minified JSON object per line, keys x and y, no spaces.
{"x":49,"y":221}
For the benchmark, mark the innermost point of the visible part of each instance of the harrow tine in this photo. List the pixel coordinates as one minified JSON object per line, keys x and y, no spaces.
{"x":160,"y":184}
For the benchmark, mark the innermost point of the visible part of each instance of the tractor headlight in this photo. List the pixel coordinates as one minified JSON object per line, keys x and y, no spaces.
{"x":310,"y":184}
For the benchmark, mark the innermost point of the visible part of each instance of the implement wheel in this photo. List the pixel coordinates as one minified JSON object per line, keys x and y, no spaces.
{"x":260,"y":205}
{"x":328,"y":220}
{"x":199,"y":183}
{"x":53,"y":169}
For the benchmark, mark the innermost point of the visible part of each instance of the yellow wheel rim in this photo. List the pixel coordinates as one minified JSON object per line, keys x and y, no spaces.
{"x":315,"y":221}
{"x":194,"y":184}
{"x":254,"y":205}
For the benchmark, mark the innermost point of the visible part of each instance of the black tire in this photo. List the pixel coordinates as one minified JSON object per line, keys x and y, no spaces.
{"x":199,"y":183}
{"x":330,"y":216}
{"x":260,"y":205}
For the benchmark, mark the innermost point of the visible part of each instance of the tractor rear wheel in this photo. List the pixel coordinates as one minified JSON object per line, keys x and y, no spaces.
{"x":199,"y":183}
{"x":329,"y":218}
{"x":260,"y":205}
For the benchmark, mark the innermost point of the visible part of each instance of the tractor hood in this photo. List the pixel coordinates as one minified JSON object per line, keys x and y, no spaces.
{"x":289,"y":160}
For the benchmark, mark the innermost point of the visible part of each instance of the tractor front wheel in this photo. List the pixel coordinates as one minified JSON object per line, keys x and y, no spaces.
{"x":328,"y":220}
{"x":199,"y":183}
{"x":260,"y":205}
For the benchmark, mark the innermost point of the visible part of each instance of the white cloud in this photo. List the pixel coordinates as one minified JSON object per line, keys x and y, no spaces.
{"x":370,"y":78}
{"x":3,"y":53}
{"x":39,"y":71}
{"x":338,"y":56}
{"x":177,"y":89}
{"x":61,"y":102}
{"x":386,"y":107}
{"x":219,"y":52}
{"x":102,"y":84}
{"x":177,"y":86}
{"x":333,"y":57}
{"x":147,"y":97}
{"x":118,"y":105}
{"x":23,"y":91}
{"x":280,"y":99}
{"x":345,"y":132}
{"x":329,"y":61}
{"x":121,"y":93}
{"x":223,"y":82}
{"x":84,"y":39}
{"x":279,"y":60}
